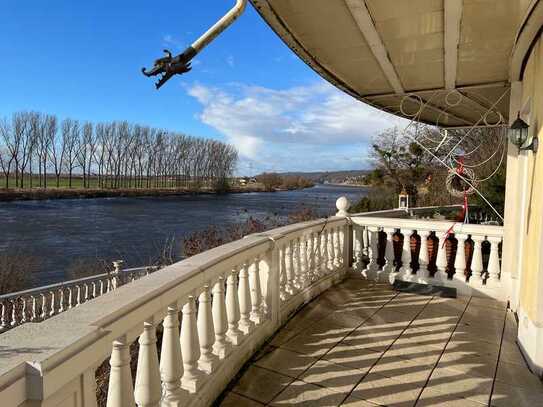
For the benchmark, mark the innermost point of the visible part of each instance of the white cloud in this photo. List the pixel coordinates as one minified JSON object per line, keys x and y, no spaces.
{"x":231,"y":61}
{"x":272,"y":127}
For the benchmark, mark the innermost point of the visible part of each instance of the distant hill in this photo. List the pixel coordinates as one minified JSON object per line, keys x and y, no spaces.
{"x":332,"y":177}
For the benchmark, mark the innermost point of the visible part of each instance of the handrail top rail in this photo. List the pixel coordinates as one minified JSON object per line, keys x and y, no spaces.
{"x":429,"y":225}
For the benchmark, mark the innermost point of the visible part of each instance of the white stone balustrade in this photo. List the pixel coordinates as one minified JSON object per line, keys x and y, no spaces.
{"x":215,"y":310}
{"x":38,"y":304}
{"x":484,"y":276}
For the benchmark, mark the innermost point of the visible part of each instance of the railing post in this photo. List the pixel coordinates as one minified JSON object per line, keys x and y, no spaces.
{"x":116,"y":274}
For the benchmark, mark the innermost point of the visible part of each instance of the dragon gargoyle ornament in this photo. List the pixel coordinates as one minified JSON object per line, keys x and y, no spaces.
{"x":169,"y":66}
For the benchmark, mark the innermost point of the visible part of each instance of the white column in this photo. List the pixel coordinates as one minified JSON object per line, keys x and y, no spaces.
{"x":424,"y":260}
{"x":148,"y":389}
{"x":206,"y":332}
{"x":477,"y":269}
{"x":389,"y":256}
{"x":318,"y":255}
{"x":232,"y":309}
{"x":190,"y":348}
{"x":460,"y":259}
{"x":406,"y":269}
{"x":441,"y":260}
{"x":283,"y":293}
{"x":220,"y":322}
{"x":245,"y":305}
{"x":494,"y":269}
{"x":357,"y":247}
{"x":120,"y":390}
{"x":256,"y":292}
{"x":171,"y":364}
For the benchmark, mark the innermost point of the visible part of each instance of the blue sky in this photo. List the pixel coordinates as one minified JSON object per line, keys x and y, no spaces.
{"x":83,"y":60}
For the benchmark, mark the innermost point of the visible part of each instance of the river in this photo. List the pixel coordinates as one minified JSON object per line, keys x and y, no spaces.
{"x":58,"y":232}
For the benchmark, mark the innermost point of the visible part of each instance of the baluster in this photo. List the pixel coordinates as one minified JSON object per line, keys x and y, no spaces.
{"x":335,"y":244}
{"x":441,"y":260}
{"x":366,"y":243}
{"x":61,"y":300}
{"x":245,"y":306}
{"x":14,"y":317}
{"x":406,"y":269}
{"x":477,"y":269}
{"x":171,"y":363}
{"x":94,"y":288}
{"x":78,"y":296}
{"x":298,"y":273}
{"x":283,"y":293}
{"x":87,"y":293}
{"x":389,"y":266}
{"x":325,"y":253}
{"x":3,"y":317}
{"x":120,"y":389}
{"x":190,"y":348}
{"x":423,"y":255}
{"x":23,"y":310}
{"x":494,"y":269}
{"x":148,"y":388}
{"x":330,"y":250}
{"x":305,"y":262}
{"x":291,"y":287}
{"x":297,"y":282}
{"x":341,"y":240}
{"x":357,"y":248}
{"x":70,"y":297}
{"x":102,"y":287}
{"x":256,"y":292}
{"x":34,"y":316}
{"x":206,"y":332}
{"x":53,"y":310}
{"x":221,"y":347}
{"x":373,"y":266}
{"x":460,"y":259}
{"x":44,"y":309}
{"x":318,"y":255}
{"x":232,"y":309}
{"x":310,"y":258}
{"x":286,"y":264}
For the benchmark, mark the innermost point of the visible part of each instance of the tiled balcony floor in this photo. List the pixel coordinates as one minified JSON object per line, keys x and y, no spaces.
{"x":362,"y":344}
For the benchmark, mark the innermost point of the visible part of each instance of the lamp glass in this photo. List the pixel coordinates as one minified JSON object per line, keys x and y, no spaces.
{"x":518,"y":133}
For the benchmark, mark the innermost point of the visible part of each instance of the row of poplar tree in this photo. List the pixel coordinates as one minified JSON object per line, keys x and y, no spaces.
{"x":37,"y":150}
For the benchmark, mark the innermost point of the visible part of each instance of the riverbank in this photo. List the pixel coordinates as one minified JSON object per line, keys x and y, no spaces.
{"x":37,"y":194}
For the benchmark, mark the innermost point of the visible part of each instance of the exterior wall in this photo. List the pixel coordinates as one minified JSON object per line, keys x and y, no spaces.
{"x":524,"y":215}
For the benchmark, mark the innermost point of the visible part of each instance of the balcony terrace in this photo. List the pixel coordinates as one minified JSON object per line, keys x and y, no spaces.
{"x":300,"y":314}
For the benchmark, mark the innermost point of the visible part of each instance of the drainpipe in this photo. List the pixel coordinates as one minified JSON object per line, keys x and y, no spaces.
{"x":169,"y":66}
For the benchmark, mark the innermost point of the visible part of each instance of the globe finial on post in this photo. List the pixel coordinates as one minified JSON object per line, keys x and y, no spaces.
{"x":343,"y":205}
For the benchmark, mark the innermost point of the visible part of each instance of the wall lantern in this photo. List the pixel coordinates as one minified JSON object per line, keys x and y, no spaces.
{"x":403,"y":200}
{"x":518,"y":135}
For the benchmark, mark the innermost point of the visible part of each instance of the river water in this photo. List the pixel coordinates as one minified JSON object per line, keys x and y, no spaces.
{"x":58,"y":232}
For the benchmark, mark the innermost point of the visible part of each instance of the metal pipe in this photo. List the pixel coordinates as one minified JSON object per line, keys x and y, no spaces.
{"x":169,"y":65}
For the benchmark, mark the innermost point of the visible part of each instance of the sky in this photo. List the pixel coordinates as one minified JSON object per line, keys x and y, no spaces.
{"x":83,"y":60}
